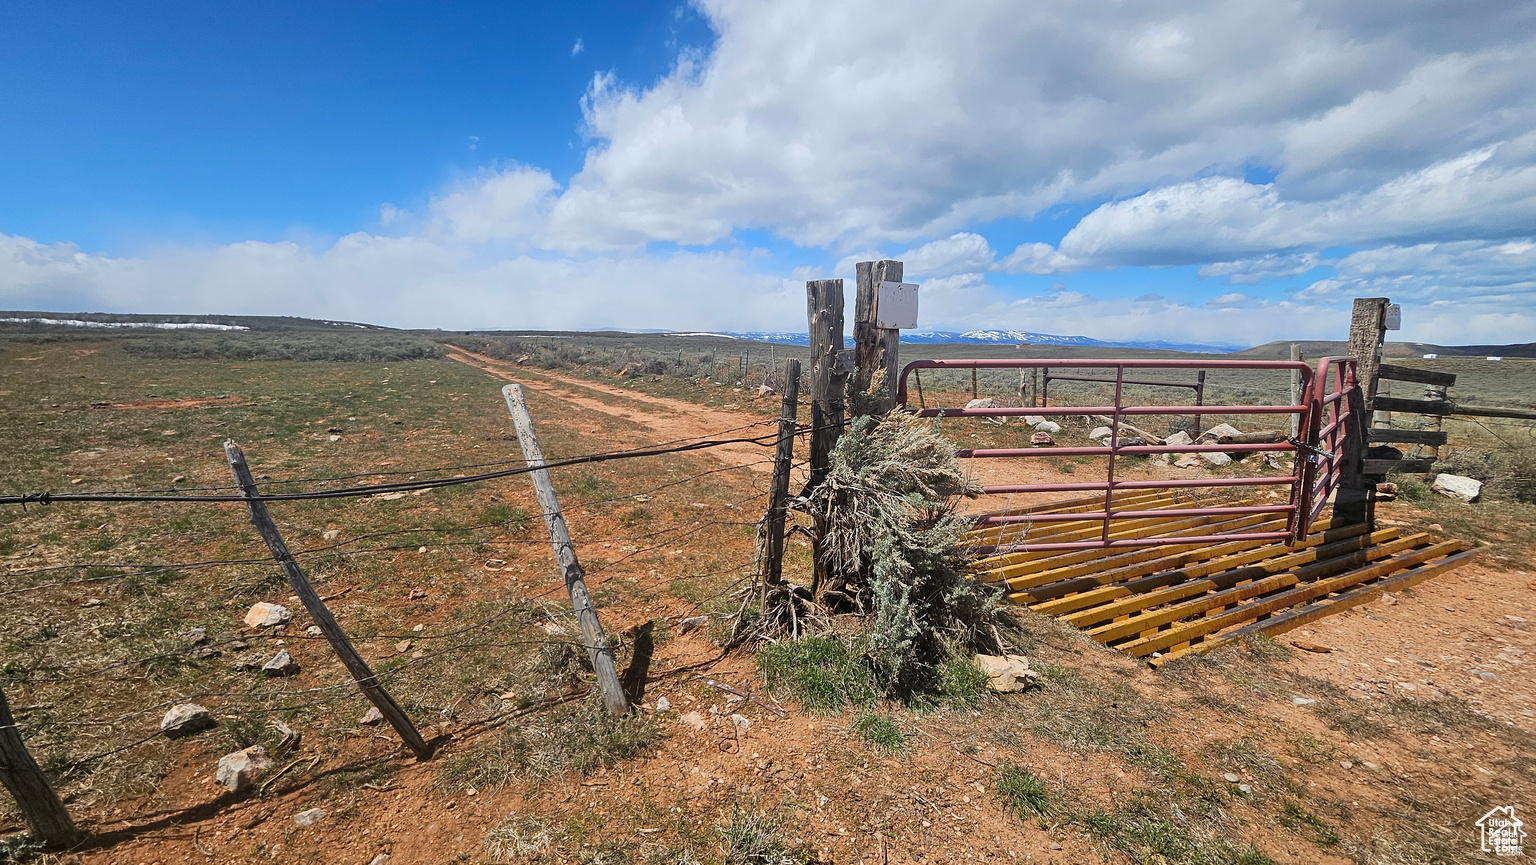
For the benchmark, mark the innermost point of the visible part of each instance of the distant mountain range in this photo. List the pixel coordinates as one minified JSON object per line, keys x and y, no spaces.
{"x":995,"y":337}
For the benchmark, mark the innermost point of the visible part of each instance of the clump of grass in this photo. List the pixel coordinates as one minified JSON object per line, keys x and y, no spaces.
{"x":570,"y":740}
{"x":1300,"y":820}
{"x":1266,"y":648}
{"x":961,"y":681}
{"x":882,"y":732}
{"x":517,"y":839}
{"x":8,"y":545}
{"x":513,"y":519}
{"x":1023,"y":793}
{"x":752,"y":838}
{"x":1148,"y":832}
{"x":823,"y":673}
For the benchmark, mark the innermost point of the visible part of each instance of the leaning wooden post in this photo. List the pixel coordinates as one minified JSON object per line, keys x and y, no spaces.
{"x":365,"y":678}
{"x":40,"y":805}
{"x":587,"y":623}
{"x":876,"y":349}
{"x":783,"y":458}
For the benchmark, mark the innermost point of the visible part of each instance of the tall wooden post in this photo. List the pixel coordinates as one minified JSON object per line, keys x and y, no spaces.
{"x":1367,"y":330}
{"x":783,"y":459}
{"x":877,"y":350}
{"x":40,"y":805}
{"x":366,"y":681}
{"x":824,"y":311}
{"x":587,"y":623}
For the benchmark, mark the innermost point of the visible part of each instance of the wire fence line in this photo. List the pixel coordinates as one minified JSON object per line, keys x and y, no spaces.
{"x":499,"y":628}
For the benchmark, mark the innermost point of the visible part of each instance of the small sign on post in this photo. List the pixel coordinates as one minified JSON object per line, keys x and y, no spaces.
{"x":1393,"y":319}
{"x":896,"y":306}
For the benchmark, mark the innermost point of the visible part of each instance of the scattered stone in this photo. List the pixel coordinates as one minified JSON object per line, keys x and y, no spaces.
{"x":265,"y":615}
{"x":1032,"y":419}
{"x":1186,"y":461}
{"x":185,"y":719}
{"x":1041,"y":439}
{"x":314,"y":631}
{"x":330,"y":535}
{"x":764,"y":390}
{"x":203,"y":653}
{"x":1485,"y":675}
{"x":521,"y":360}
{"x":984,"y":402}
{"x":692,"y":719}
{"x":197,"y":636}
{"x":742,"y":721}
{"x":1231,"y":778}
{"x":1216,"y":458}
{"x":179,"y":479}
{"x":1305,"y":646}
{"x":691,"y":623}
{"x":1347,"y":764}
{"x":244,"y":665}
{"x":372,"y":717}
{"x":1216,"y":432}
{"x":1130,"y":442}
{"x":1101,"y":432}
{"x":383,"y":858}
{"x":237,"y":771}
{"x":1304,"y":701}
{"x":403,"y":646}
{"x":663,"y":704}
{"x":1179,"y":438}
{"x":1457,"y":487}
{"x":1048,"y":426}
{"x":418,"y":594}
{"x":310,"y":817}
{"x":334,"y":438}
{"x":1245,"y":789}
{"x":1369,"y":765}
{"x":1007,"y":674}
{"x":1386,"y":492}
{"x":282,"y":664}
{"x":92,"y":602}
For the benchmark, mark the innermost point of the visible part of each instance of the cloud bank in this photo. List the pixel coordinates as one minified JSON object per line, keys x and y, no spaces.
{"x":1327,"y":149}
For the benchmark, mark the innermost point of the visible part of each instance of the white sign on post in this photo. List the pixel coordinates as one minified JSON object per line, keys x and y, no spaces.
{"x":1394,"y":317}
{"x":896,"y":306}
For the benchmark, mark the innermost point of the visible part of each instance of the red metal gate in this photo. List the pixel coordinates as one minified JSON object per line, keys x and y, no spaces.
{"x":1334,"y":401}
{"x":1296,"y":509}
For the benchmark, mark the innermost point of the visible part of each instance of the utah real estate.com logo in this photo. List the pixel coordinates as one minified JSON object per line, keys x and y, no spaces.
{"x":1502,"y":835}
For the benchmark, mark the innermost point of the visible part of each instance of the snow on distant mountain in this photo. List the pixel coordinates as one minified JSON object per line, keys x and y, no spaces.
{"x":998,"y":337}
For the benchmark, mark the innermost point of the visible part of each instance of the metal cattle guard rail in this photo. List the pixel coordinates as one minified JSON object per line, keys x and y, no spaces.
{"x":1297,"y":505}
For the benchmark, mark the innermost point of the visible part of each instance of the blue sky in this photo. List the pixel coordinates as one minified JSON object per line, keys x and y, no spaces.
{"x":1227,"y":172}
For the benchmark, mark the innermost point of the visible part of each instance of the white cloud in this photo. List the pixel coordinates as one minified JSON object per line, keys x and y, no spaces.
{"x":578,"y":47}
{"x":959,"y":253}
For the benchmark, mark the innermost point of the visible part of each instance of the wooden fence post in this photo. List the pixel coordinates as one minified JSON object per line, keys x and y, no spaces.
{"x":40,"y":805}
{"x":565,"y":553}
{"x":824,"y":302}
{"x":783,"y":459}
{"x":366,"y":681}
{"x":1367,"y":330}
{"x":876,"y":350}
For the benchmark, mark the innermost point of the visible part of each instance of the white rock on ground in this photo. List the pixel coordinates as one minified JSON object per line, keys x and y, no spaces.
{"x":1186,"y":461}
{"x":265,"y":615}
{"x":1101,"y":432}
{"x":1041,"y":439}
{"x":371,"y":717}
{"x":237,"y":771}
{"x":1217,"y":431}
{"x":185,"y":719}
{"x":1216,"y":458}
{"x":1458,"y":487}
{"x":1033,"y":419}
{"x":310,"y":817}
{"x":692,"y":719}
{"x":742,"y":721}
{"x":764,"y":390}
{"x":984,"y":402}
{"x":282,"y":664}
{"x":1179,"y":438}
{"x":1007,"y":674}
{"x":662,"y":704}
{"x":1048,"y":426}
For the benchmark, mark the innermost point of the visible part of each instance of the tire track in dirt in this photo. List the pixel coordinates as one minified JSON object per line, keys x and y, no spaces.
{"x":671,"y":419}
